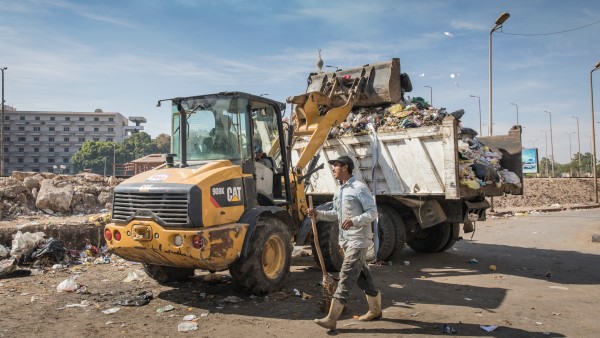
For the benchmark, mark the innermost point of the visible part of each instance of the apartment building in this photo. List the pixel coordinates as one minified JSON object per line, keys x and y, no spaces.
{"x":45,"y":141}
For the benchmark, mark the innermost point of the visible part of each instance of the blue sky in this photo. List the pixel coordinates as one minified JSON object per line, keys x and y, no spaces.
{"x":122,"y":56}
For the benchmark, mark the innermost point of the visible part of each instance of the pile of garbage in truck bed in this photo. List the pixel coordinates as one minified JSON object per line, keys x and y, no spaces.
{"x":478,"y":165}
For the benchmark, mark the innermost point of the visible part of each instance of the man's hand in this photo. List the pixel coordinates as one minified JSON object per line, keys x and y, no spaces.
{"x":312,"y":213}
{"x":347,"y":224}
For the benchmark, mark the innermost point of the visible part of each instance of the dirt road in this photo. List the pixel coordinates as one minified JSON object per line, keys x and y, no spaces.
{"x":546,"y":284}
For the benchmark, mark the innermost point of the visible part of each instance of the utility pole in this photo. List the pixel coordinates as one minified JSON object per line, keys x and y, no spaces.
{"x":578,"y":147}
{"x":2,"y":127}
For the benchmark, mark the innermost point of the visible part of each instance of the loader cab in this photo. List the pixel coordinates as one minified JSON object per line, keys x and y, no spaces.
{"x":232,"y":126}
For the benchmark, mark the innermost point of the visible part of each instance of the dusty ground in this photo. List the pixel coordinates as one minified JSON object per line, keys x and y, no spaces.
{"x":546,"y":285}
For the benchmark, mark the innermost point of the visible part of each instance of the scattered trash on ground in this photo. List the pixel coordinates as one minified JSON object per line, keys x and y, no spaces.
{"x":474,"y":261}
{"x":111,"y":310}
{"x":189,"y":318}
{"x":68,"y":285}
{"x":140,"y":299}
{"x":232,"y":299}
{"x":165,"y":308}
{"x":492,"y":267}
{"x":134,"y":276}
{"x":448,"y":329}
{"x":488,"y":328}
{"x":187,"y":326}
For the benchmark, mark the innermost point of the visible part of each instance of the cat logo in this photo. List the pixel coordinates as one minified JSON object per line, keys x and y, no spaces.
{"x":145,"y":187}
{"x":234,"y":194}
{"x":227,"y":193}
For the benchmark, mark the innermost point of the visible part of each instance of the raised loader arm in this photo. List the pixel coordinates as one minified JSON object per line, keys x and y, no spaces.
{"x":329,"y":99}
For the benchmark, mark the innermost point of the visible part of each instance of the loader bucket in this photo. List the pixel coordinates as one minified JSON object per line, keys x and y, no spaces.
{"x":382,"y":84}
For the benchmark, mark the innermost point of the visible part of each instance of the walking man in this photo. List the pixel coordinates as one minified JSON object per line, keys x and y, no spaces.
{"x":354,"y":209}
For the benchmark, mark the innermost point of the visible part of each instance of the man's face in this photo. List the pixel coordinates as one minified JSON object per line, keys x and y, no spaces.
{"x":339,"y":170}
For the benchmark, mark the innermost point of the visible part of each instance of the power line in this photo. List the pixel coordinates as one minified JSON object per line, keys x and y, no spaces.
{"x":552,"y":33}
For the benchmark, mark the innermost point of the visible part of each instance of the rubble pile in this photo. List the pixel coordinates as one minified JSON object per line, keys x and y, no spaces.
{"x":47,"y":193}
{"x":478,"y":165}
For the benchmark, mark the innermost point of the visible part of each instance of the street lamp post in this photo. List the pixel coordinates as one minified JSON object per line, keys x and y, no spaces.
{"x":551,"y":142}
{"x":546,"y":135}
{"x":570,"y":154}
{"x":114,"y":158}
{"x":516,"y":105}
{"x":501,"y":19}
{"x":479,"y":104}
{"x":430,"y":95}
{"x":578,"y":147}
{"x":2,"y":127}
{"x":594,"y":134}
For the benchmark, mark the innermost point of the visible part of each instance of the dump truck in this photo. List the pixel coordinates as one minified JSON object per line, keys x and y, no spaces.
{"x":232,"y":195}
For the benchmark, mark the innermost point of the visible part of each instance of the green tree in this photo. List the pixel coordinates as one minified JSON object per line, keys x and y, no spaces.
{"x":163,"y":143}
{"x":95,"y":156}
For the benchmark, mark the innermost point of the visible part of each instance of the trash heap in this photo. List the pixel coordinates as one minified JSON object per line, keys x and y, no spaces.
{"x":478,"y":165}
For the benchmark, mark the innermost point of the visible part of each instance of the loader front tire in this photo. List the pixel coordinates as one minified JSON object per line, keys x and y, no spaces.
{"x":167,"y":274}
{"x":267,"y":263}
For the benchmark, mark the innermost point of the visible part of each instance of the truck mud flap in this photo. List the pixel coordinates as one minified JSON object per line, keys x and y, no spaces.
{"x":476,"y":211}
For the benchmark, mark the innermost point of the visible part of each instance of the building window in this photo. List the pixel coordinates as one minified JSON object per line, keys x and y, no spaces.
{"x":96,"y":129}
{"x":67,"y":118}
{"x":21,"y":150}
{"x":6,"y":128}
{"x":96,"y":119}
{"x":109,"y":139}
{"x":7,"y":138}
{"x":81,"y":118}
{"x":22,"y":118}
{"x":6,"y":149}
{"x":66,"y":150}
{"x":6,"y":160}
{"x":36,"y":128}
{"x":37,"y":118}
{"x":6,"y":118}
{"x":50,"y":139}
{"x":82,"y":139}
{"x":81,"y":128}
{"x":110,"y":129}
{"x":52,"y":118}
{"x":66,"y":128}
{"x":21,"y":128}
{"x":96,"y":139}
{"x":65,"y":160}
{"x":50,"y":160}
{"x":20,"y":160}
{"x":36,"y":170}
{"x":36,"y":160}
{"x":66,"y":139}
{"x":51,"y":128}
{"x":51,"y":150}
{"x":36,"y":150}
{"x":36,"y":139}
{"x":21,"y":139}
{"x":111,"y":119}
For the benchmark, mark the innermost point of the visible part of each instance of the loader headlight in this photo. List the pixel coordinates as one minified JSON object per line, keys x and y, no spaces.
{"x":178,"y":240}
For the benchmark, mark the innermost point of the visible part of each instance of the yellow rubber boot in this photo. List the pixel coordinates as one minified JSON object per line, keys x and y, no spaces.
{"x":374,"y":308}
{"x":330,"y":321}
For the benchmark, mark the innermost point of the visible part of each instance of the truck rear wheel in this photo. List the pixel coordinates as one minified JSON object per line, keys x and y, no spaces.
{"x":430,"y":239}
{"x":454,"y":233}
{"x":166,"y":274}
{"x":333,"y":255}
{"x":267,"y":262}
{"x":388,"y":237}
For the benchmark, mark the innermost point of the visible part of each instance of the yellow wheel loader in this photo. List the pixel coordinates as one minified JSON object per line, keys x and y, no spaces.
{"x":228,"y":197}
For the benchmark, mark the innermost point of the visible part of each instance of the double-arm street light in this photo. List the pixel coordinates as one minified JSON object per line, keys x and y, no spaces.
{"x":501,"y":19}
{"x":430,"y":95}
{"x":578,"y":147}
{"x":516,"y":105}
{"x":479,"y":104}
{"x":2,"y":127}
{"x":594,"y":134}
{"x":570,"y":153}
{"x":551,"y":142}
{"x":546,"y":134}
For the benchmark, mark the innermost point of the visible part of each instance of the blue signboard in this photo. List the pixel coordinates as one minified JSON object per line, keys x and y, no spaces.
{"x":530,"y":160}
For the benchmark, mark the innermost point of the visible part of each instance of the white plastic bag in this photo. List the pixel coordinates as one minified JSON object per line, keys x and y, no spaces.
{"x":68,"y":285}
{"x":3,"y":251}
{"x":187,"y":326}
{"x":23,"y":244}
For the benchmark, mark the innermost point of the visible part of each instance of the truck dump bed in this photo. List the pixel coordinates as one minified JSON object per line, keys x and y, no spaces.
{"x":414,"y":162}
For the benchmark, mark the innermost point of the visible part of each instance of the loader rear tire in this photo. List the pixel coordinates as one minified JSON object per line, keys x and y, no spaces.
{"x":333,"y":255}
{"x":430,"y":239}
{"x":167,"y":274}
{"x":267,"y":263}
